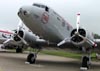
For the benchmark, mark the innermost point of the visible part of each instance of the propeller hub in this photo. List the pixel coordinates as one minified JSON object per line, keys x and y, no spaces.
{"x":77,"y":38}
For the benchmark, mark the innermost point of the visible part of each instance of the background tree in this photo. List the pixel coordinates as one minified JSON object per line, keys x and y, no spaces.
{"x":96,"y":36}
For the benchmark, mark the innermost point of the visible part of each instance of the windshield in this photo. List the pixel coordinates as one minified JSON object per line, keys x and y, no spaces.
{"x":39,"y":5}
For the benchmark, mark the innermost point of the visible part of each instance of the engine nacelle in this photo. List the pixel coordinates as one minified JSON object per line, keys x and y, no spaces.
{"x":77,"y":40}
{"x":26,"y":35}
{"x":20,"y":33}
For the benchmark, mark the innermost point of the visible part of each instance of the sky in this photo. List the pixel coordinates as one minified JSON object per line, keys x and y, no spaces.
{"x":89,"y":10}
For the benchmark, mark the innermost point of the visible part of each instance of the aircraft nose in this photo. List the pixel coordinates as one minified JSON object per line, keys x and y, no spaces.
{"x":23,"y":12}
{"x":30,"y":12}
{"x":20,"y":11}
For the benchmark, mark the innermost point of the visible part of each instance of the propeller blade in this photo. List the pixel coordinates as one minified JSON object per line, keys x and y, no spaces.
{"x":64,"y":41}
{"x":91,"y":42}
{"x":23,"y":40}
{"x":78,"y":21}
{"x":82,"y":37}
{"x":20,"y":25}
{"x":8,"y":40}
{"x":61,"y":43}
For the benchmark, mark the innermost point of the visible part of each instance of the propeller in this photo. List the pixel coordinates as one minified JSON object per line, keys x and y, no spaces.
{"x":76,"y":33}
{"x":20,"y":26}
{"x":91,"y":42}
{"x":78,"y":22}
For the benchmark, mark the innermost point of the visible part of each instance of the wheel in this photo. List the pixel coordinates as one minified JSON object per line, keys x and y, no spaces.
{"x":31,"y":58}
{"x":19,"y":50}
{"x":85,"y":61}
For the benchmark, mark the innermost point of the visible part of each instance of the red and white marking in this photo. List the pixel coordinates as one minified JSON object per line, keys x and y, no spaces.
{"x":45,"y":18}
{"x":6,"y":32}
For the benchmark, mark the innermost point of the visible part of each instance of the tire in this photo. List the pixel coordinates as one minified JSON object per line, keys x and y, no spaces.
{"x":19,"y":50}
{"x":85,"y":62}
{"x":31,"y":58}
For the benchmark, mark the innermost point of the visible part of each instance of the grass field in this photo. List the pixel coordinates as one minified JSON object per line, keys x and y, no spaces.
{"x":61,"y":53}
{"x":69,"y":54}
{"x":66,"y":54}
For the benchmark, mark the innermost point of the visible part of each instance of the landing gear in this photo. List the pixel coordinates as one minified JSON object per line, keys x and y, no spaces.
{"x":86,"y":61}
{"x":31,"y":58}
{"x":19,"y":50}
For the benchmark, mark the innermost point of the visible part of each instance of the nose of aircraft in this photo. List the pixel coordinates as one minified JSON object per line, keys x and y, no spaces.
{"x":23,"y":11}
{"x":33,"y":12}
{"x":30,"y":11}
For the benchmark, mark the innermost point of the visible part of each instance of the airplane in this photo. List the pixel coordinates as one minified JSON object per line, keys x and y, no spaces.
{"x":50,"y":26}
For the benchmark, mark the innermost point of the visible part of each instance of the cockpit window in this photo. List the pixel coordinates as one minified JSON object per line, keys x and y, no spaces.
{"x":41,"y":6}
{"x":46,"y":9}
{"x":36,"y":5}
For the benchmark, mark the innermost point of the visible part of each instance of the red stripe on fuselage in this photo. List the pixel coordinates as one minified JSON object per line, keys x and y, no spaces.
{"x":7,"y":32}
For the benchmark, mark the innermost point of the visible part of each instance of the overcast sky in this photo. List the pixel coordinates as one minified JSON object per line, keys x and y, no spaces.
{"x":89,"y":9}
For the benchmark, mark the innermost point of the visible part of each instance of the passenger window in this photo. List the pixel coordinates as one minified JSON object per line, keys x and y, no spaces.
{"x":63,"y":23}
{"x":58,"y":18}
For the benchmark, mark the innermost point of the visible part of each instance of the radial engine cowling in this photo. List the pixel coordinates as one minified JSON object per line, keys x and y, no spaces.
{"x":20,"y":33}
{"x":76,"y":39}
{"x":26,"y":35}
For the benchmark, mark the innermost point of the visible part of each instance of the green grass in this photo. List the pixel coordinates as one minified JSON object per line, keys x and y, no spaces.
{"x":61,"y":53}
{"x":67,"y":54}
